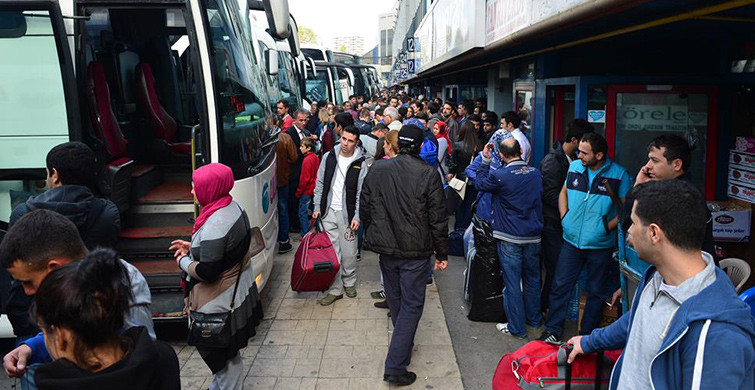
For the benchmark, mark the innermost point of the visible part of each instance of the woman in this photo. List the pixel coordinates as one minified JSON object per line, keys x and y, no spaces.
{"x":80,"y":308}
{"x":390,"y":144}
{"x":440,"y":130}
{"x":217,"y":255}
{"x":461,"y":155}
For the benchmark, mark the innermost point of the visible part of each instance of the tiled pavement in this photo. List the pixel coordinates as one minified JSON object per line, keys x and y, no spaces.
{"x":302,"y":345}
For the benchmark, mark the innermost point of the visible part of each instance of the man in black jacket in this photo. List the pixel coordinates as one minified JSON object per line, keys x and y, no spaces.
{"x":405,"y":219}
{"x":553,"y":168}
{"x":70,"y":169}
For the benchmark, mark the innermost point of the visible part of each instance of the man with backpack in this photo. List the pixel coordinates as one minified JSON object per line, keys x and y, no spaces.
{"x":687,"y":328}
{"x":70,"y":171}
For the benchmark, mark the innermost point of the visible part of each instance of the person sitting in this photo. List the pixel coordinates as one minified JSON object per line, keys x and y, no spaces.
{"x":81,"y":309}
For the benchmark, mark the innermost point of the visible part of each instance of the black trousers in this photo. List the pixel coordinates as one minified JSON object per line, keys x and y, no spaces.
{"x":405,"y":282}
{"x":552,"y":241}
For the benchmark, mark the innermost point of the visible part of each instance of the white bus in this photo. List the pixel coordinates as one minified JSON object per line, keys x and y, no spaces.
{"x":157,"y":88}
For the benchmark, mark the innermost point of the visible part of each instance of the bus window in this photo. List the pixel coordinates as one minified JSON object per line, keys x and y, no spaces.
{"x":317,"y":87}
{"x":287,"y":80}
{"x":243,"y":113}
{"x":33,"y":115}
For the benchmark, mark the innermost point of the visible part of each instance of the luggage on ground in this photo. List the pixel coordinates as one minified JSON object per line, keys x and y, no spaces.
{"x":484,"y":279}
{"x":540,"y":365}
{"x":315,"y":263}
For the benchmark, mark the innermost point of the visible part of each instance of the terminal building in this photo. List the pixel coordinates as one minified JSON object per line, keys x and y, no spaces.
{"x":634,"y":69}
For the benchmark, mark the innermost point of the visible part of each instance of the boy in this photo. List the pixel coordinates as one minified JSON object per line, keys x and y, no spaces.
{"x":306,"y":188}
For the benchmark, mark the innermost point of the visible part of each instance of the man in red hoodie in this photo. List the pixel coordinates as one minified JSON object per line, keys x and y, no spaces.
{"x":306,"y":189}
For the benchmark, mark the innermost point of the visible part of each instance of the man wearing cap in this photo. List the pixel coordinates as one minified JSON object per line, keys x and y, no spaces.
{"x":403,"y":211}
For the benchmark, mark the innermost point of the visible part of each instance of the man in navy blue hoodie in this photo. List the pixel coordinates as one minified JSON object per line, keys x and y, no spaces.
{"x":517,"y":225}
{"x":687,"y":328}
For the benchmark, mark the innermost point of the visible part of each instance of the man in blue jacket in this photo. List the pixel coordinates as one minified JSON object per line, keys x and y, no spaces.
{"x":687,"y":328}
{"x":588,"y":204}
{"x":517,"y":224}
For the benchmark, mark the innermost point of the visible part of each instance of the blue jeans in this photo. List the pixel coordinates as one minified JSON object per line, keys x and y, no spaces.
{"x":405,"y":292}
{"x":570,"y":264}
{"x":304,"y":202}
{"x":521,"y":262}
{"x":283,"y":214}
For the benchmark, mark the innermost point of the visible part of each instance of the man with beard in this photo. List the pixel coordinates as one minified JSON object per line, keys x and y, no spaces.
{"x":587,"y":204}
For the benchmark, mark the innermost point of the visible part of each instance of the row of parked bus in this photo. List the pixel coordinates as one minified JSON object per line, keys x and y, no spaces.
{"x":158,"y":88}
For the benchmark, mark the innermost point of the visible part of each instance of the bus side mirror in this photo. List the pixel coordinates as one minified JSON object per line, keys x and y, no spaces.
{"x":12,"y":24}
{"x":278,"y":18}
{"x":271,"y":62}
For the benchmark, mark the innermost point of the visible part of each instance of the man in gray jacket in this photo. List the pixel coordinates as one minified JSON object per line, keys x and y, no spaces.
{"x":337,"y":190}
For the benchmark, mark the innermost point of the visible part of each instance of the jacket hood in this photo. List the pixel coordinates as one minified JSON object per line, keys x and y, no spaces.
{"x":72,"y":201}
{"x":718,"y":302}
{"x":358,"y":151}
{"x":137,"y":370}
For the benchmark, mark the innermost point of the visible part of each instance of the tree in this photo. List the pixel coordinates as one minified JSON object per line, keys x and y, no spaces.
{"x":342,"y":49}
{"x":306,"y":35}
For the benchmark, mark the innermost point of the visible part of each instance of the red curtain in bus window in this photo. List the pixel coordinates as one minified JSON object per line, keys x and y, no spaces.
{"x":636,"y":114}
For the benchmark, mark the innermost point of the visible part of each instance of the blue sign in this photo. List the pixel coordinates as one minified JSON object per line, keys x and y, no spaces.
{"x":265,"y":198}
{"x":411,"y":67}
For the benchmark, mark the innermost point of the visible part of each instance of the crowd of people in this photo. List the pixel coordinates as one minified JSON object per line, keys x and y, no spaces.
{"x":385,"y":174}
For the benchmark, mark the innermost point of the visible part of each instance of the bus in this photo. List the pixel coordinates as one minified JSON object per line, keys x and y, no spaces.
{"x":157,"y":88}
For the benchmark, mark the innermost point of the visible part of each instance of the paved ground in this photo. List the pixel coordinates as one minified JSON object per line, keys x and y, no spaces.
{"x":302,"y":345}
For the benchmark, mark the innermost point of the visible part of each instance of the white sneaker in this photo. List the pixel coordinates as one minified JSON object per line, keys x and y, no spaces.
{"x":504,"y":328}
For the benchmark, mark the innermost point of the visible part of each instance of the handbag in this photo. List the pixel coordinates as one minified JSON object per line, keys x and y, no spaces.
{"x":460,"y":186}
{"x":213,"y":330}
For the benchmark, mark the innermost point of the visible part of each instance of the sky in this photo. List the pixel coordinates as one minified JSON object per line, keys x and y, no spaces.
{"x":331,"y":18}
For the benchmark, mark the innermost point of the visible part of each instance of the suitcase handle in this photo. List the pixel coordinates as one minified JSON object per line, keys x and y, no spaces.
{"x":318,"y":225}
{"x":567,"y":349}
{"x":322,"y":266}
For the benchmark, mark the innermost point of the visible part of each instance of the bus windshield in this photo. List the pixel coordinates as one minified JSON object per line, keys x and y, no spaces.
{"x":317,"y":87}
{"x":33,"y":115}
{"x":239,"y":88}
{"x":289,"y":89}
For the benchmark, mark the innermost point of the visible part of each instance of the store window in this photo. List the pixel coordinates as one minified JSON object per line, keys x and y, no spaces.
{"x":642,"y":116}
{"x":596,"y":109}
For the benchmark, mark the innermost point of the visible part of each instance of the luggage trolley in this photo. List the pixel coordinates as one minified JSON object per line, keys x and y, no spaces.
{"x":632,"y":269}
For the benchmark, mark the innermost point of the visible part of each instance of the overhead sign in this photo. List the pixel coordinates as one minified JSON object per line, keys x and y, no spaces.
{"x":410,"y":67}
{"x":505,"y":17}
{"x":410,"y":44}
{"x":655,"y":117}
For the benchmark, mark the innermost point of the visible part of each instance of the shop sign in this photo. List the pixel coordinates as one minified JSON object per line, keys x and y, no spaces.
{"x":596,"y":116}
{"x":505,"y":17}
{"x":653,"y":117}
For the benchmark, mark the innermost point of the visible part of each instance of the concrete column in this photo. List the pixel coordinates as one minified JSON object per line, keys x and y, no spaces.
{"x":499,"y":100}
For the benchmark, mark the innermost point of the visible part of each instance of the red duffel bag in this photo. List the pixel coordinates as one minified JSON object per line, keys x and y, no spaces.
{"x":540,"y":365}
{"x":315,"y":263}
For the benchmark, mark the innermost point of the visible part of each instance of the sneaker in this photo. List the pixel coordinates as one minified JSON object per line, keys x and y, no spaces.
{"x":381,"y":304}
{"x":430,"y":282}
{"x":329,"y":299}
{"x":359,"y":256}
{"x":404,"y":379}
{"x":550,"y":338}
{"x":378,"y":294}
{"x":284,"y":247}
{"x":351,"y":292}
{"x":504,"y":328}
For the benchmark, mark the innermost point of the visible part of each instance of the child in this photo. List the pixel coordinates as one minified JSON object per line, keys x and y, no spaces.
{"x":306,"y":189}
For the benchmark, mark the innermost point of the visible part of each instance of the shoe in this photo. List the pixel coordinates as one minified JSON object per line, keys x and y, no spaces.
{"x":329,"y":299}
{"x":284,"y":247}
{"x":550,"y":338}
{"x":381,"y":304}
{"x":378,"y":294}
{"x":504,"y":328}
{"x":430,"y":282}
{"x":359,"y":256}
{"x":405,"y":379}
{"x":351,"y":292}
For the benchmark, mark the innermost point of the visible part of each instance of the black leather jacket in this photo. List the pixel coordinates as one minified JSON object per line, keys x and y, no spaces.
{"x":553,"y":167}
{"x":403,"y":210}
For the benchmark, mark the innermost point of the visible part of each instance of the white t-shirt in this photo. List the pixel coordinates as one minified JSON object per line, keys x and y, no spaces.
{"x":524,"y":144}
{"x":336,"y":202}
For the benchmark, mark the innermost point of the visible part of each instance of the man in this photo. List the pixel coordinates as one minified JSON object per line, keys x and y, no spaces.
{"x":314,"y":120}
{"x":450,"y":119}
{"x":339,"y":184}
{"x":465,"y":110}
{"x":378,"y":115}
{"x":687,"y":328}
{"x":36,"y":244}
{"x":553,"y":168}
{"x":405,"y":222}
{"x":286,"y":155}
{"x":392,"y":118}
{"x":510,"y":121}
{"x":418,"y":107}
{"x":669,"y":157}
{"x":488,"y":129}
{"x":435,"y":114}
{"x":588,"y":201}
{"x":517,"y":225}
{"x":70,"y":171}
{"x":297,"y":132}
{"x":282,"y":108}
{"x":370,"y":142}
{"x":394,"y":102}
{"x":363,"y":123}
{"x":475,"y":119}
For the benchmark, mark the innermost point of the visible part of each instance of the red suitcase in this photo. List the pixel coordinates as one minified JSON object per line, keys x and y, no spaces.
{"x":316,"y":263}
{"x":539,"y":365}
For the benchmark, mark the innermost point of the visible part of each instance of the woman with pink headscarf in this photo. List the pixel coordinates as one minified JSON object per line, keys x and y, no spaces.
{"x":219,"y":253}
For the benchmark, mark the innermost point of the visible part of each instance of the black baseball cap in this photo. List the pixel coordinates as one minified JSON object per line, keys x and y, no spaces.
{"x":410,"y":135}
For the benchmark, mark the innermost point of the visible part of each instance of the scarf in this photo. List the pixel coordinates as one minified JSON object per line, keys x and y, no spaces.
{"x":212,"y":187}
{"x":443,"y":133}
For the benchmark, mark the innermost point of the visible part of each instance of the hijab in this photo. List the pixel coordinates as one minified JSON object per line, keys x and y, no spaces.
{"x":442,"y":133}
{"x":212,"y":187}
{"x":496,"y":139}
